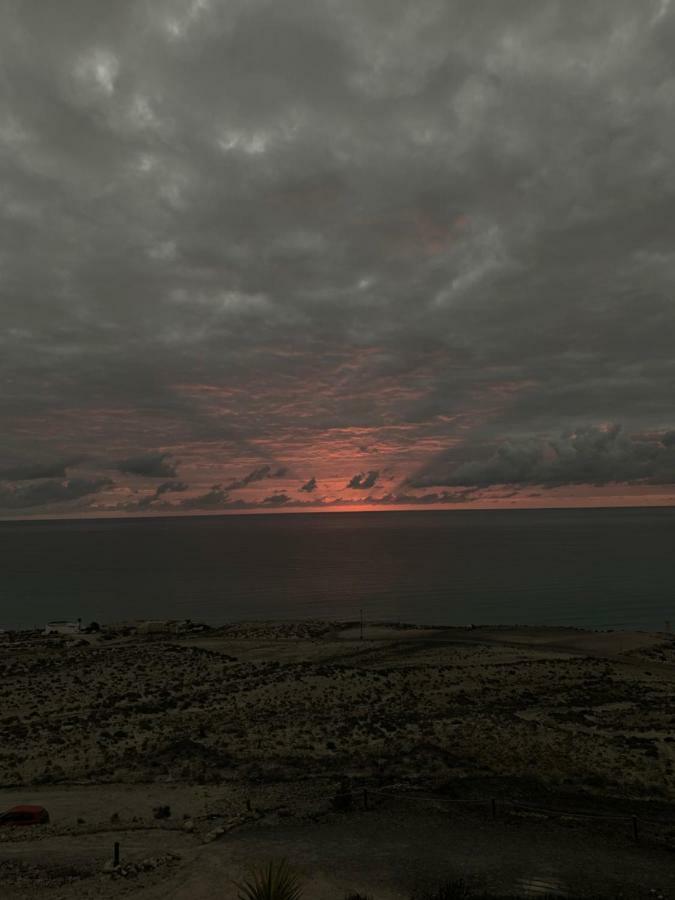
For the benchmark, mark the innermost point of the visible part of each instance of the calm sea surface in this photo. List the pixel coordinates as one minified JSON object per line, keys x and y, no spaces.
{"x":593,"y":568}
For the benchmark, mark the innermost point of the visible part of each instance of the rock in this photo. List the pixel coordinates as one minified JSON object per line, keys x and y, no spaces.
{"x":188,"y":826}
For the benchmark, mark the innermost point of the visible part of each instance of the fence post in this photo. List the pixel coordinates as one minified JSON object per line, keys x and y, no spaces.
{"x":116,"y":853}
{"x":494,"y":808}
{"x":635,"y":828}
{"x":365,"y":798}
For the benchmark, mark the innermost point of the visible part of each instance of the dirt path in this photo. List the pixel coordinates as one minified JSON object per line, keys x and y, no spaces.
{"x":387,"y":854}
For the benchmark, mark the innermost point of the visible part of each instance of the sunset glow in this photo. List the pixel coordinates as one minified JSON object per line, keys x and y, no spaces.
{"x":374,"y":272}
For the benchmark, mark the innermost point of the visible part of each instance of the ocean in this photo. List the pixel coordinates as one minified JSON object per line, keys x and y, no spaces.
{"x":595,"y":568}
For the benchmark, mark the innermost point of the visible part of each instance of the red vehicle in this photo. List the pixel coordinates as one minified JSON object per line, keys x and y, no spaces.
{"x":24,"y":815}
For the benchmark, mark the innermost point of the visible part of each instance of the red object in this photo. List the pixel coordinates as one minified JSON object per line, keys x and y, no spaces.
{"x":25,"y":815}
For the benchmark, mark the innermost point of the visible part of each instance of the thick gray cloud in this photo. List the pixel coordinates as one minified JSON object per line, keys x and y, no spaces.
{"x":34,"y":471}
{"x":49,"y":491}
{"x":151,"y":465}
{"x":309,"y":486}
{"x":587,"y":456}
{"x":259,"y":234}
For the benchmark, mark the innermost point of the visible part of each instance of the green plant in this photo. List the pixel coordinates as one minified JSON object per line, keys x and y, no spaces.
{"x":274,"y":881}
{"x":449,"y":890}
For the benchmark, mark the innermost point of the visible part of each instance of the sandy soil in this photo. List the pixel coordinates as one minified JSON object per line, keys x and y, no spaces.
{"x":386,"y":854}
{"x":252,"y":728}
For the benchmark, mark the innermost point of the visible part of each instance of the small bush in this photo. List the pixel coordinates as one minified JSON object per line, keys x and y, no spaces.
{"x":449,"y":890}
{"x":275,"y":881}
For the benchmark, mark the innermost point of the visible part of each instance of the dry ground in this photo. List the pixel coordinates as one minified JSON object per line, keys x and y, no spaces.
{"x":262,"y":721}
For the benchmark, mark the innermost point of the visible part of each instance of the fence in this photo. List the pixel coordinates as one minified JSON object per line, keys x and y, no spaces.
{"x":494,"y":807}
{"x":369,"y":798}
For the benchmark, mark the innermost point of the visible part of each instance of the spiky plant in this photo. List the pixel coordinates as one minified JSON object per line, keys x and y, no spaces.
{"x":274,"y":881}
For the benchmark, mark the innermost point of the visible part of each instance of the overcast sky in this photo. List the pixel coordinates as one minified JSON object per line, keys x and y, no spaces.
{"x":262,"y":254}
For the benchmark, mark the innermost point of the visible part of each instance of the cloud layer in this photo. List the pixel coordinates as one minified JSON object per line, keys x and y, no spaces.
{"x":592,"y":456}
{"x":151,"y":465}
{"x":243,"y":241}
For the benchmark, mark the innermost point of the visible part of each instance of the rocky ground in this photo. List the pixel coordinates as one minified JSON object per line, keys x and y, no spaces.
{"x":253,"y":726}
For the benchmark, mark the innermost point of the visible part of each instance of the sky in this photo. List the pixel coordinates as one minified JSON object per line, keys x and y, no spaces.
{"x":346,"y":254}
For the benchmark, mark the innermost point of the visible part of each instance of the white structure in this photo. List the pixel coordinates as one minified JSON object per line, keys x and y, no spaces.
{"x":62,"y":627}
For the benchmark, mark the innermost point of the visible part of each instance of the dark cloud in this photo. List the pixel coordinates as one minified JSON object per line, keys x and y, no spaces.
{"x":219,"y":499}
{"x":363,"y":481}
{"x":215,"y":498}
{"x":34,"y":471}
{"x":47,"y":492}
{"x":309,"y":486}
{"x":441,"y":497}
{"x":167,"y":487}
{"x":258,"y":474}
{"x":151,"y":465}
{"x":588,"y":455}
{"x":171,"y":487}
{"x":276,"y":500}
{"x":391,"y":233}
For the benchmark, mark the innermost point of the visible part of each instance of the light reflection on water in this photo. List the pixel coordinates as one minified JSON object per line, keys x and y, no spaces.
{"x":591,"y":568}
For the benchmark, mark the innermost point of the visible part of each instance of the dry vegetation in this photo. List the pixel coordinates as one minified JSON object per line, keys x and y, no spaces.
{"x":264,"y":722}
{"x":278,"y":703}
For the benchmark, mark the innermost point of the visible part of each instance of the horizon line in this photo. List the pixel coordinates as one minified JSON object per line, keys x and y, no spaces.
{"x":318,"y":510}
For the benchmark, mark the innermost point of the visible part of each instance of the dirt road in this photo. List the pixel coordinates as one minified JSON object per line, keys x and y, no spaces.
{"x":388,"y":854}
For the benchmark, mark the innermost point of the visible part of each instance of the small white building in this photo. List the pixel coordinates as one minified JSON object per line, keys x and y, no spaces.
{"x":62,"y":627}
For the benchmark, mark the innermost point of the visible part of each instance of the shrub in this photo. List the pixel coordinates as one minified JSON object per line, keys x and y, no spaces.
{"x":274,"y":881}
{"x":449,"y":890}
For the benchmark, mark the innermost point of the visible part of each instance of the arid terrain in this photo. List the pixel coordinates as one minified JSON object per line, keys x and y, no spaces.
{"x":247,"y":733}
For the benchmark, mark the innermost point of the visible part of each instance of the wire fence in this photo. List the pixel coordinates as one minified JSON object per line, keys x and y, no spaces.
{"x":370,"y":798}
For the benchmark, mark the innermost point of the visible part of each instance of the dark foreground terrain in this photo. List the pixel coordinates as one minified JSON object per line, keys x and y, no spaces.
{"x":247,"y":734}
